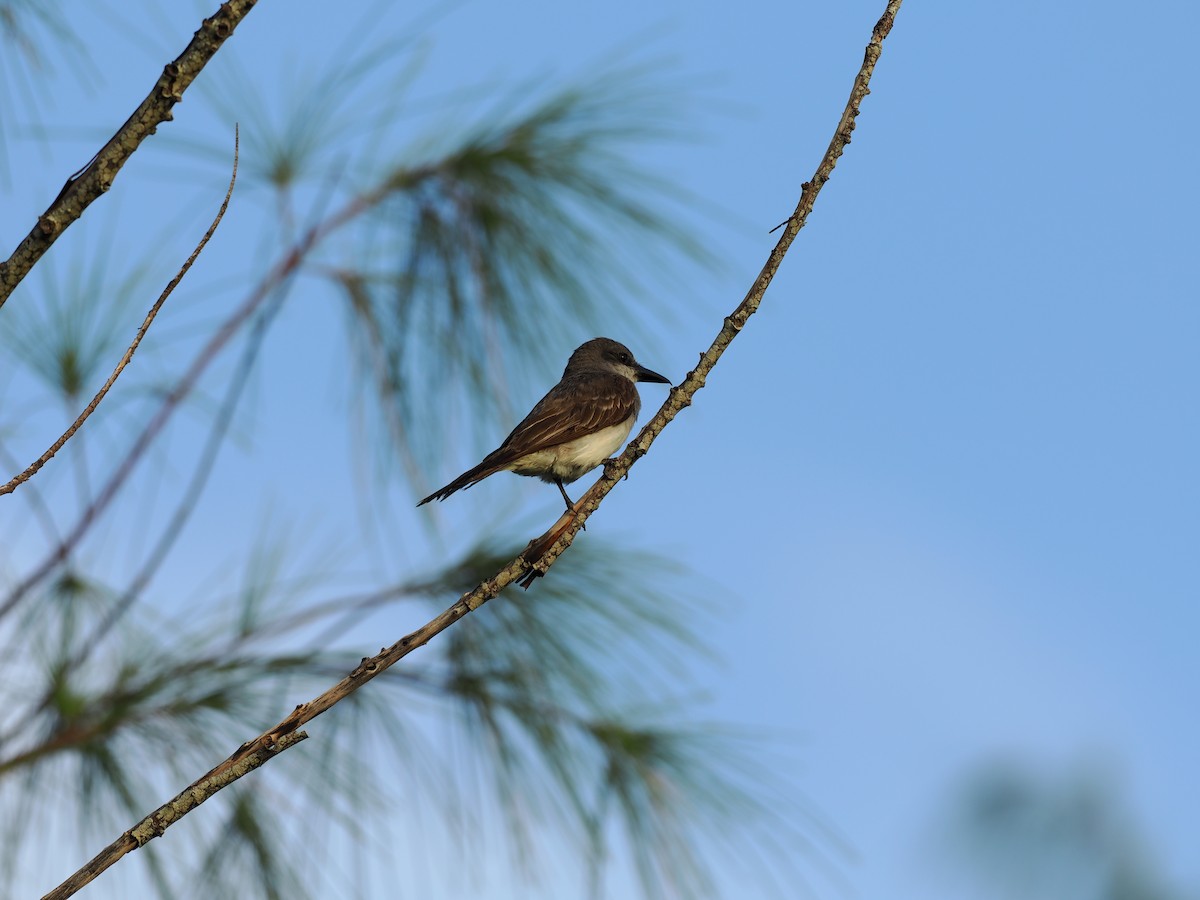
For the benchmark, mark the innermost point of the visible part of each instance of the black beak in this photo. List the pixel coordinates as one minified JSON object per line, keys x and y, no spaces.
{"x":644,"y":374}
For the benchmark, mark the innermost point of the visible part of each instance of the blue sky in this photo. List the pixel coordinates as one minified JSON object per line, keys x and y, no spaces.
{"x":946,"y":477}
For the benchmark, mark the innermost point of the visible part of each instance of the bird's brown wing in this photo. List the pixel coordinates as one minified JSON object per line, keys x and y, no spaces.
{"x":574,"y":408}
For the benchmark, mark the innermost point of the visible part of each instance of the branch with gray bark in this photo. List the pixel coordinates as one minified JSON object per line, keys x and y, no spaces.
{"x":86,"y":185}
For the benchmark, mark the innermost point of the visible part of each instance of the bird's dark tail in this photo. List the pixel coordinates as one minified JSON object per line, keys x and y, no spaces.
{"x":465,"y":480}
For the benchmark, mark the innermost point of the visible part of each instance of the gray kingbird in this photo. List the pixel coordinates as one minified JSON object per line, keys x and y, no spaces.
{"x":575,"y":427}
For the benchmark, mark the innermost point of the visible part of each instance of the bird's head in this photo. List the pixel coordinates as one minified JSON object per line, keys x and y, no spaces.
{"x":607,"y":355}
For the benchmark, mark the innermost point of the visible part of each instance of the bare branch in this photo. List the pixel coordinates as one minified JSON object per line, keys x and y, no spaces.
{"x":542,"y":552}
{"x":98,"y":175}
{"x":37,"y":464}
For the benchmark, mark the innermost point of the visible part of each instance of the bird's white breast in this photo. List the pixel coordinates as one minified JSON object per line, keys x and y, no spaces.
{"x":575,"y":458}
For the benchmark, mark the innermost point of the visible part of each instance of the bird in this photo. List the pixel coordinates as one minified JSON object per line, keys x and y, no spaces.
{"x":577,"y":426}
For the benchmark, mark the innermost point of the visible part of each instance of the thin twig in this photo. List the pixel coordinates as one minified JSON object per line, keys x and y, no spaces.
{"x":231,"y":769}
{"x":98,"y":175}
{"x":37,"y":464}
{"x":284,"y":269}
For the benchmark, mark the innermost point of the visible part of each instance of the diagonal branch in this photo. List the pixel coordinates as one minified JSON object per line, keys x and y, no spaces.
{"x":98,"y":175}
{"x":542,"y":552}
{"x":37,"y":464}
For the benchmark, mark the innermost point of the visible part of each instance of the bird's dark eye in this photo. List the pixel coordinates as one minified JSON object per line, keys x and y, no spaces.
{"x":626,"y":358}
